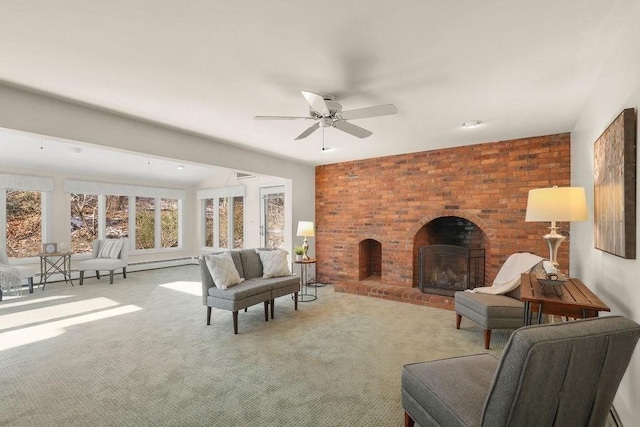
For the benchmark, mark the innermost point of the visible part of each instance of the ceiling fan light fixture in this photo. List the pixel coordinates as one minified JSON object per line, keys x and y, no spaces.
{"x":471,"y":124}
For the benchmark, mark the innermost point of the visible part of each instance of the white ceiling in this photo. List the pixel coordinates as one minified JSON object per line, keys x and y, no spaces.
{"x":521,"y":67}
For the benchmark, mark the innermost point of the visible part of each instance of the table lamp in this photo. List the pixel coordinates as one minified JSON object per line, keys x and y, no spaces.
{"x":305,"y":228}
{"x":553,"y":204}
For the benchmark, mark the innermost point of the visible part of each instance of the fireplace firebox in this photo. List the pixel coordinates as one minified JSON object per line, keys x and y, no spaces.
{"x":445,"y":269}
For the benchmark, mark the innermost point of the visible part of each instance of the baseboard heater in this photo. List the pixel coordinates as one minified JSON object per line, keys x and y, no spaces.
{"x":134,"y":266}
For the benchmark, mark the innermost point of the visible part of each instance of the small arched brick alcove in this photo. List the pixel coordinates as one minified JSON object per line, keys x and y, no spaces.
{"x":370,"y":260}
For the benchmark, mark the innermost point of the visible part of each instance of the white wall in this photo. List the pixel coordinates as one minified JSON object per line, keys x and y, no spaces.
{"x":615,"y":280}
{"x":32,"y":112}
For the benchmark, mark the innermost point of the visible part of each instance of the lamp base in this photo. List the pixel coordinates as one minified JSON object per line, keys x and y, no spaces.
{"x":553,"y":241}
{"x":305,"y":249}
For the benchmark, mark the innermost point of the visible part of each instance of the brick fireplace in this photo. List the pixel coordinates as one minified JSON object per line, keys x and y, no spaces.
{"x":373,"y":215}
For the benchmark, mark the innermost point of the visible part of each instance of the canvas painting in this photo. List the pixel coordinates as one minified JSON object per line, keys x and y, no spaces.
{"x":615,"y":187}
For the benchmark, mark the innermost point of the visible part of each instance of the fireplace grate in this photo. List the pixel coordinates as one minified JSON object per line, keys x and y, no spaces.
{"x":445,"y":269}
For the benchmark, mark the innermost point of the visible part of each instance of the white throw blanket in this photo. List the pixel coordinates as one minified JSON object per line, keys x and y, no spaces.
{"x":508,"y":278}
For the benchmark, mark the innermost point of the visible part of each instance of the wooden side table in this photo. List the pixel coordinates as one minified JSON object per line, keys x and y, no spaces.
{"x":575,"y":299}
{"x":304,"y":295}
{"x":57,"y":262}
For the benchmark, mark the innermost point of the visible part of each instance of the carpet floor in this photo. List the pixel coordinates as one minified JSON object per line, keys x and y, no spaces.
{"x":139,"y":352}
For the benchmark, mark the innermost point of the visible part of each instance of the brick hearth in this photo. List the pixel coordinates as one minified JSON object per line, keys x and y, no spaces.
{"x":373,"y":288}
{"x":385,"y":203}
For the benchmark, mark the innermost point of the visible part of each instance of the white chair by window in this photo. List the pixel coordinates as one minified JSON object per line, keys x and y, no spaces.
{"x":10,"y":284}
{"x":108,"y":255}
{"x":24,"y":272}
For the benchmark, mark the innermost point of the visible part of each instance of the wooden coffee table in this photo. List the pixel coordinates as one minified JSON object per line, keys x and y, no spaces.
{"x":572,"y":299}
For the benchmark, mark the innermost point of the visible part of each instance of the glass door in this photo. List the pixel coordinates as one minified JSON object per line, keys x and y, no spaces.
{"x":272,"y":217}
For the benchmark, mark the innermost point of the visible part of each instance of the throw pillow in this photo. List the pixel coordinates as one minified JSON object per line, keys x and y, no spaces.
{"x":223,"y":270}
{"x":110,"y":248}
{"x":274,"y":263}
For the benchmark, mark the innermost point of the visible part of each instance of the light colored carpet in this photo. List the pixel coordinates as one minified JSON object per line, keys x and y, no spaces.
{"x":139,"y":352}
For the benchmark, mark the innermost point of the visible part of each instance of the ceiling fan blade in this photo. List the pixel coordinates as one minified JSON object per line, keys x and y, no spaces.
{"x":280,"y":118}
{"x":317,"y":103}
{"x":308,"y":132}
{"x":361,"y":113}
{"x":352,"y":129}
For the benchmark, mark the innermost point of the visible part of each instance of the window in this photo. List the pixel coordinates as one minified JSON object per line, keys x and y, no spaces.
{"x":238,"y":222}
{"x":117,"y":216}
{"x":223,"y":224}
{"x":23,"y":223}
{"x":208,"y":222}
{"x":169,"y":221}
{"x":84,"y":222}
{"x":151,"y":217}
{"x":223,"y":217}
{"x":145,"y":222}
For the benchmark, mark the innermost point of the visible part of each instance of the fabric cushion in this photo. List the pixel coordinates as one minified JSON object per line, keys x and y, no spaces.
{"x":274,"y":263}
{"x":110,"y":248}
{"x":223,"y":270}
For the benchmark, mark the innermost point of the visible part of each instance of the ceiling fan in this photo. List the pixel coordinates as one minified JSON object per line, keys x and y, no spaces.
{"x":328,"y":113}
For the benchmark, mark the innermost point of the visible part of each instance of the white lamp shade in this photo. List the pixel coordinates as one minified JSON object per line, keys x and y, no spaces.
{"x":305,"y":228}
{"x":560,"y":204}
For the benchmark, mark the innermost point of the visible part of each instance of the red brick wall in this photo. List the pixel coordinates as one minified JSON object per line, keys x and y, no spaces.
{"x":389,"y":199}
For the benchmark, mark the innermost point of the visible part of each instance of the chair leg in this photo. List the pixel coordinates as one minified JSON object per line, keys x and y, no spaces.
{"x":97,"y":274}
{"x":208,"y":315}
{"x":30,"y":281}
{"x":81,"y":277}
{"x":458,"y":320}
{"x":235,"y":322}
{"x":487,"y":338}
{"x":111,"y":277}
{"x":124,"y":272}
{"x":266,"y":311}
{"x":273,"y":304}
{"x":408,"y":421}
{"x":295,"y":301}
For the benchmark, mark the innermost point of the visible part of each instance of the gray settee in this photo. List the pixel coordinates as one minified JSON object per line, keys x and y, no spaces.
{"x":253,"y":290}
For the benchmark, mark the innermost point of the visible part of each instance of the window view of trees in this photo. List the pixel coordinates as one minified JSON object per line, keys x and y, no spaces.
{"x":145,"y":222}
{"x":169,"y":223}
{"x":238,"y":222}
{"x":24,"y":223}
{"x":117,"y":216}
{"x":223,"y":225}
{"x":230,"y":215}
{"x":84,"y":222}
{"x":208,"y":222}
{"x":274,"y":211}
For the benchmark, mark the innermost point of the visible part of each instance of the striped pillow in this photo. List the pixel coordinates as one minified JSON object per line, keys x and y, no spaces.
{"x":110,"y":248}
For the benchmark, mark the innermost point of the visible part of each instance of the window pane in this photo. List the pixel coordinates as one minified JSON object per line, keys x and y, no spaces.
{"x":145,"y":222}
{"x":223,"y":230}
{"x":275,"y":220}
{"x":169,"y":222}
{"x":208,"y":223}
{"x":84,"y":222}
{"x":238,"y":222}
{"x":117,"y":220}
{"x":24,"y":223}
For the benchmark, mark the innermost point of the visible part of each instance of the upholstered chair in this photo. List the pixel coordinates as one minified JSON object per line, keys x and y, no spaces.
{"x":24,"y":272}
{"x":559,"y":374}
{"x":108,"y":255}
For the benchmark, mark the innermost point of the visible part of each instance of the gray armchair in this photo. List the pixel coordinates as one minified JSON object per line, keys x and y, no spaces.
{"x":108,"y":255}
{"x":562,"y":374}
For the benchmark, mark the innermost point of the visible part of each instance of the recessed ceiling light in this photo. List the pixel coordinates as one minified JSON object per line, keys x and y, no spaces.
{"x":471,"y":124}
{"x":180,"y":167}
